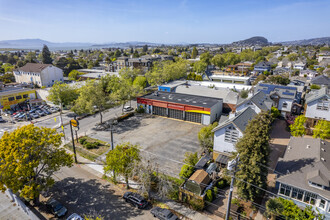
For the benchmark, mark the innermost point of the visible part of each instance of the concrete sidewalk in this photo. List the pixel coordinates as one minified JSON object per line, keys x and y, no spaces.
{"x":97,"y":169}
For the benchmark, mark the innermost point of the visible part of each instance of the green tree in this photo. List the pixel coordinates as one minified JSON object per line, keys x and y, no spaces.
{"x":273,"y":208}
{"x":206,"y":58}
{"x":7,"y":78}
{"x":45,"y":55}
{"x":30,"y":57}
{"x":200,"y":67}
{"x":194,"y":53}
{"x":62,"y":94}
{"x":244,"y":93}
{"x":190,"y":158}
{"x":275,"y":113}
{"x":218,"y":60}
{"x":93,"y":96}
{"x":145,"y":48}
{"x":322,"y":130}
{"x":206,"y":136}
{"x":254,"y":150}
{"x":314,"y":86}
{"x":29,"y":157}
{"x":73,"y":75}
{"x":298,"y":127}
{"x":186,"y":171}
{"x":121,"y":160}
{"x":140,"y":81}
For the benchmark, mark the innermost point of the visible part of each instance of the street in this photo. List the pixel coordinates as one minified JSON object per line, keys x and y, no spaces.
{"x":85,"y":193}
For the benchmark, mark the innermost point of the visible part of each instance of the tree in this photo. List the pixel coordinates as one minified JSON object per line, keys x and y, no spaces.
{"x":30,"y":57}
{"x":278,"y":80}
{"x":206,"y":58}
{"x":275,"y":113}
{"x":62,"y":94}
{"x":200,"y":66}
{"x":45,"y":55}
{"x":94,"y":96}
{"x":29,"y":157}
{"x":73,"y":75}
{"x":206,"y":136}
{"x":322,"y":130}
{"x":186,"y":171}
{"x":145,"y":48}
{"x":314,"y":86}
{"x":194,"y":53}
{"x":253,"y":149}
{"x":244,"y":93}
{"x":218,"y":60}
{"x":121,"y":160}
{"x":140,"y":81}
{"x":273,"y":208}
{"x":298,"y":127}
{"x":190,"y":158}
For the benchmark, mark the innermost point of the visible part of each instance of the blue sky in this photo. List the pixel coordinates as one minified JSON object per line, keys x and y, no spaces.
{"x":163,"y":21}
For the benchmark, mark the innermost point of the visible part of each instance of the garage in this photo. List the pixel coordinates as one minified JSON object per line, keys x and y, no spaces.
{"x":159,"y":111}
{"x":194,"y":117}
{"x":173,"y":113}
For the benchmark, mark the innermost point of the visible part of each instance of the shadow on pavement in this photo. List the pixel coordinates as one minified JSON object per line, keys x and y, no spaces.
{"x":85,"y":197}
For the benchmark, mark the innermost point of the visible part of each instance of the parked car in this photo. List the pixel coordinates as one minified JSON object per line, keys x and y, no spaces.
{"x":46,"y":112}
{"x":75,"y":216}
{"x":56,"y":208}
{"x":128,"y":108}
{"x":2,"y":120}
{"x":136,"y":200}
{"x":34,"y":115}
{"x":41,"y":113}
{"x":163,"y":214}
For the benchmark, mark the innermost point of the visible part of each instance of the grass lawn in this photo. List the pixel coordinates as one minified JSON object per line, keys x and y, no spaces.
{"x":90,"y":154}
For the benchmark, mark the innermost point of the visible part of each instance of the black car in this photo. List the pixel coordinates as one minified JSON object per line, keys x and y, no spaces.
{"x":163,"y":214}
{"x":136,"y":200}
{"x":56,"y":208}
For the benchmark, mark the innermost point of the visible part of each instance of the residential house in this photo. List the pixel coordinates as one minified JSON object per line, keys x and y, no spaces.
{"x":321,"y":80}
{"x":309,"y":74}
{"x":38,"y":74}
{"x":304,"y":174}
{"x":286,"y":98}
{"x":299,"y":65}
{"x":281,"y":71}
{"x":229,"y":131}
{"x":262,"y":67}
{"x":258,"y":102}
{"x":122,"y":62}
{"x":243,"y":67}
{"x":317,"y":106}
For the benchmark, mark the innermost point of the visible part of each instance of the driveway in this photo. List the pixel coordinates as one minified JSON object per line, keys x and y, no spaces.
{"x":163,"y":140}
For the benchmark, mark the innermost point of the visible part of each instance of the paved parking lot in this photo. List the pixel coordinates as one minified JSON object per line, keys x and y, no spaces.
{"x":162,"y":139}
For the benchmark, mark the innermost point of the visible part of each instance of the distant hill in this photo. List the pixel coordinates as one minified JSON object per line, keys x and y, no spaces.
{"x":253,"y":41}
{"x":313,"y":41}
{"x":125,"y":44}
{"x":36,"y":44}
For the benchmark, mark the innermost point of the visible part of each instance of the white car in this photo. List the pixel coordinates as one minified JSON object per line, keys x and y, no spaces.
{"x":75,"y":216}
{"x":128,"y":108}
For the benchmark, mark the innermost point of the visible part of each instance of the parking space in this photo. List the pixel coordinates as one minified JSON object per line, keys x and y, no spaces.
{"x":163,"y":140}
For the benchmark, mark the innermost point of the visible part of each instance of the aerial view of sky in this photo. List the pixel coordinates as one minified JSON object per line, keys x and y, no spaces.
{"x":163,"y":21}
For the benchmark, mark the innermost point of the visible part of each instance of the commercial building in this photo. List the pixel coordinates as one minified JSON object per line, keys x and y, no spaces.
{"x":10,"y":98}
{"x":38,"y":74}
{"x":200,"y":109}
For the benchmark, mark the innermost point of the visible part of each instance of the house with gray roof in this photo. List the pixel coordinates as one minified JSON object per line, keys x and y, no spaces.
{"x":258,"y":102}
{"x":227,"y":133}
{"x":304,"y":174}
{"x":321,"y":80}
{"x":317,"y":106}
{"x":286,"y":98}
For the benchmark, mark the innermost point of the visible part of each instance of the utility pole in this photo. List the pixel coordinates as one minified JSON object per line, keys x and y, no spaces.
{"x":74,"y":122}
{"x":232,"y":166}
{"x":112,"y":122}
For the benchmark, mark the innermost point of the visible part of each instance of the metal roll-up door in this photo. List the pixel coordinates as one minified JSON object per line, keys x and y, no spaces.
{"x":194,"y":117}
{"x":173,"y":113}
{"x":159,"y":111}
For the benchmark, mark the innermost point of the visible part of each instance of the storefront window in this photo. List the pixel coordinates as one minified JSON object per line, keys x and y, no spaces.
{"x":25,"y":96}
{"x":11,"y":99}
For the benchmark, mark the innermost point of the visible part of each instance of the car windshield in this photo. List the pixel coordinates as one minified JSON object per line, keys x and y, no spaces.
{"x":57,"y":207}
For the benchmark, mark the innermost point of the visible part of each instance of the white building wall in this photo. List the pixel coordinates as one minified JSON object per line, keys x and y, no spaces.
{"x":313,"y":112}
{"x":27,"y":77}
{"x":216,"y":111}
{"x":206,"y":119}
{"x":220,"y":144}
{"x":50,"y":75}
{"x":288,"y":107}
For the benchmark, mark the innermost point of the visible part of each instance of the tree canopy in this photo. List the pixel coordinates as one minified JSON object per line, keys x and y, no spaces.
{"x":62,"y":94}
{"x":45,"y":55}
{"x":322,"y":129}
{"x":29,"y":156}
{"x":253,"y":149}
{"x":298,"y":127}
{"x":122,"y":159}
{"x":206,"y":136}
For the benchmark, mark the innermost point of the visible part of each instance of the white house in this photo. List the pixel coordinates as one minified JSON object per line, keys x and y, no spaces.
{"x":299,"y":66}
{"x":228,"y":132}
{"x":317,"y":106}
{"x":39,"y":74}
{"x":309,"y":74}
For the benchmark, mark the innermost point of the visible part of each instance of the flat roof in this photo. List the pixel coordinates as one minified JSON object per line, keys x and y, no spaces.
{"x":184,"y":99}
{"x":218,"y":76}
{"x":97,"y":75}
{"x":13,"y":91}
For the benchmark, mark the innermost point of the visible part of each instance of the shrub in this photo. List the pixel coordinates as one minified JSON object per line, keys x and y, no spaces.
{"x":82,"y":140}
{"x":236,"y":202}
{"x":215,"y":191}
{"x":209,"y":196}
{"x":196,"y":204}
{"x":140,"y":110}
{"x":222,"y":184}
{"x":315,"y":86}
{"x":186,"y":171}
{"x":90,"y":145}
{"x":275,"y":112}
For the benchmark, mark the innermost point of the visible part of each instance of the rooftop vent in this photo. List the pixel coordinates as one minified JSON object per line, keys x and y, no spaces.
{"x":322,"y":149}
{"x":289,"y":147}
{"x":308,"y":146}
{"x":322,"y":159}
{"x":194,"y":101}
{"x":204,"y":103}
{"x":179,"y":99}
{"x":322,"y":142}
